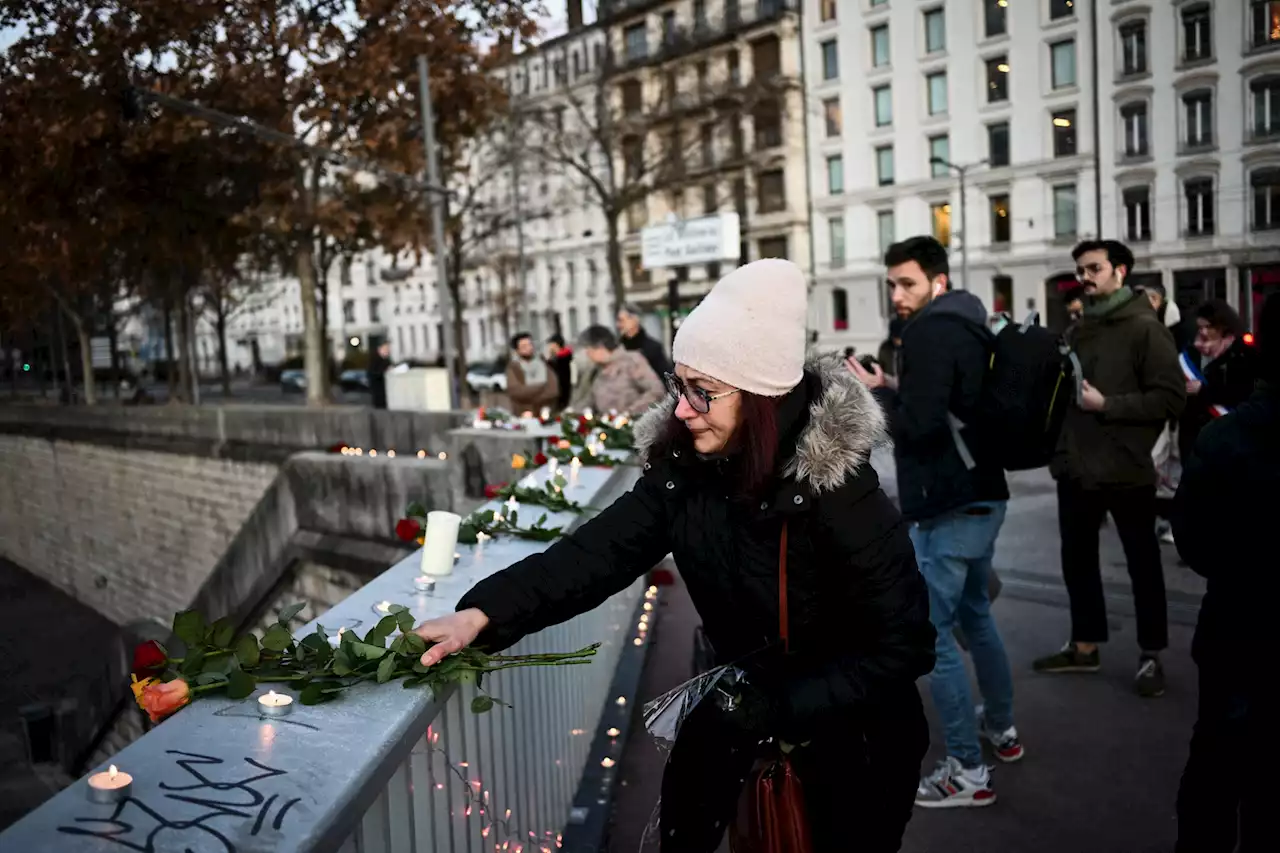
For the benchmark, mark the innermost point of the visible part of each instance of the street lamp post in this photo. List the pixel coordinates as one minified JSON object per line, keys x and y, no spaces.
{"x":962,"y":171}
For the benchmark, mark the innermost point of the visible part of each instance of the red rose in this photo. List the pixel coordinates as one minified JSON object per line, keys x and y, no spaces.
{"x":583,"y":428}
{"x":148,"y":658}
{"x":491,"y":491}
{"x":338,"y":448}
{"x":539,"y":459}
{"x":408,"y":530}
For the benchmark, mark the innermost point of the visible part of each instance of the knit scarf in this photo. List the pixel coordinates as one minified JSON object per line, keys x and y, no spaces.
{"x":1101,"y":306}
{"x":535,"y":370}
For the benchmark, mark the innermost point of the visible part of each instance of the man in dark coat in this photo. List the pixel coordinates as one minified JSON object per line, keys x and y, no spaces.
{"x":1221,"y":367}
{"x":957,"y":500}
{"x":1131,"y":388}
{"x":379,"y":363}
{"x":560,"y":357}
{"x":1224,"y":518}
{"x":634,"y":337}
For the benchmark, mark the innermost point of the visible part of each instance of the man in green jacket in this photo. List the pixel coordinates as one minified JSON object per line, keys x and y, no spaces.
{"x":1132,"y":386}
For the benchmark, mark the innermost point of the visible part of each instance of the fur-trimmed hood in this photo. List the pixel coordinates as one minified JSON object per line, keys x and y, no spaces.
{"x":845,"y":424}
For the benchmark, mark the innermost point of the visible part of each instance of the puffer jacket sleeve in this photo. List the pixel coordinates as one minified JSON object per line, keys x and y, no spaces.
{"x":577,"y":573}
{"x":883,"y":597}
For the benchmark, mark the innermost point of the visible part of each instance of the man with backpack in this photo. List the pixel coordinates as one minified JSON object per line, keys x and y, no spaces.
{"x":1131,"y":386}
{"x":956,"y":503}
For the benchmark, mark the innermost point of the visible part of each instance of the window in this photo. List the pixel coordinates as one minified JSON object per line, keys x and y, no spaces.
{"x":830,"y":60}
{"x":348,"y":310}
{"x":591,"y":277}
{"x":668,"y":28}
{"x":940,"y":214}
{"x":885,"y":229}
{"x":703,"y":72}
{"x":635,"y":42}
{"x":835,"y":228}
{"x":883,"y":96}
{"x":637,"y":216}
{"x":1197,"y":33}
{"x":1062,"y":56}
{"x":1001,"y":294}
{"x":639,"y":275}
{"x":573,"y":323}
{"x":939,"y":154}
{"x":1059,"y":9}
{"x":375,"y":310}
{"x":1137,"y":214}
{"x":827,"y":11}
{"x":1064,"y":133}
{"x":766,"y":58}
{"x":1198,"y":111}
{"x":935,"y":31}
{"x":1265,"y":101}
{"x":937,"y":85}
{"x":1064,"y":211}
{"x":835,"y":120}
{"x":1133,"y":47}
{"x":1265,"y":184}
{"x":875,"y":3}
{"x":710,"y":199}
{"x":633,"y":157}
{"x":707,"y":143}
{"x":773,"y":247}
{"x":1001,"y":223}
{"x":768,"y":125}
{"x":1199,"y":193}
{"x":884,"y":165}
{"x":880,"y":46}
{"x":1133,"y":118}
{"x":998,"y":144}
{"x":735,"y":69}
{"x":593,"y":313}
{"x":1264,"y":22}
{"x":772,"y":192}
{"x":699,"y":14}
{"x":740,"y":197}
{"x":997,"y":79}
{"x":632,"y":98}
{"x":835,"y":174}
{"x":840,"y":309}
{"x":994,"y":15}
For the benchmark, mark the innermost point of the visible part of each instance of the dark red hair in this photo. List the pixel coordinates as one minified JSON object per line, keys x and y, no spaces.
{"x":753,"y":449}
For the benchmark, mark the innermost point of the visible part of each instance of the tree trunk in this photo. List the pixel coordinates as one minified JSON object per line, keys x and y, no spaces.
{"x":168,"y":346}
{"x":182,"y":345}
{"x":221,"y":324}
{"x":614,"y":254}
{"x":313,"y":360}
{"x":86,"y":359}
{"x":113,"y":341}
{"x":65,"y":387}
{"x":193,"y":342}
{"x":459,"y":340}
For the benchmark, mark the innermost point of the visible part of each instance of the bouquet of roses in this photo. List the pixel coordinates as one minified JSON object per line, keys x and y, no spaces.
{"x":320,"y":666}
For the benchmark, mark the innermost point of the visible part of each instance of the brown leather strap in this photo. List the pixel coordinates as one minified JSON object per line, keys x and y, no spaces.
{"x":783,"y":621}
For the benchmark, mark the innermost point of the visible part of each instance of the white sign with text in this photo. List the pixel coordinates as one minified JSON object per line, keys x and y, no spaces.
{"x":681,"y":242}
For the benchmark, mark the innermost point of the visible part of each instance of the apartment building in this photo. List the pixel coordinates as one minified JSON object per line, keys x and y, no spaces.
{"x":919,"y":97}
{"x":709,"y":101}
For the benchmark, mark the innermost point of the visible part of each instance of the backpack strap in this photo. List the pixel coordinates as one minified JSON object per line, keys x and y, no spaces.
{"x":783,"y":617}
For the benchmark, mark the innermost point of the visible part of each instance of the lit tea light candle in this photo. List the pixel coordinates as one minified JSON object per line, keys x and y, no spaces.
{"x":382,"y":608}
{"x":336,"y":639}
{"x":110,"y":786}
{"x":481,"y":538}
{"x":442,"y":540}
{"x":512,"y":504}
{"x":424,"y":584}
{"x":273,"y":704}
{"x":588,"y":414}
{"x":545,"y":413}
{"x":553,"y":465}
{"x":613,"y":733}
{"x":607,"y":763}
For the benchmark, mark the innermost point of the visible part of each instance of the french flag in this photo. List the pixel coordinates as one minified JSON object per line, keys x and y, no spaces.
{"x":1193,"y":374}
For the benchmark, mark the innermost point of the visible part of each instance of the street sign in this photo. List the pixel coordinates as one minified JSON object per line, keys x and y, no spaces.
{"x":681,"y":242}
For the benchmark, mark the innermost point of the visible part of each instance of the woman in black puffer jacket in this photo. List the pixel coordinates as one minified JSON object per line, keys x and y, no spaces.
{"x":754,"y":440}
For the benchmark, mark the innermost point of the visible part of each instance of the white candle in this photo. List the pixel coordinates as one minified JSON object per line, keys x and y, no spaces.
{"x":274,"y":704}
{"x":110,"y":786}
{"x":586,"y":413}
{"x":512,"y":504}
{"x":382,"y":608}
{"x":574,"y":468}
{"x":442,"y":540}
{"x":553,"y":465}
{"x":424,"y":584}
{"x":545,"y":414}
{"x":481,"y":538}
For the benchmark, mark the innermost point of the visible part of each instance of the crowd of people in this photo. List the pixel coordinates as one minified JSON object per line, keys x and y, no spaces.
{"x":833,"y":601}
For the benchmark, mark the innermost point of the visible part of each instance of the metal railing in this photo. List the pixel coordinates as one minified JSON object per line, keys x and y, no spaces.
{"x":382,"y":769}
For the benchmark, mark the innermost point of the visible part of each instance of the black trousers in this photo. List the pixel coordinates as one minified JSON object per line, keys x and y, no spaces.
{"x":859,"y":793}
{"x":1226,"y":785}
{"x":1080,"y":515}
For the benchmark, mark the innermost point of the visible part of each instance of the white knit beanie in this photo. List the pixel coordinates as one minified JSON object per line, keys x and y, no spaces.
{"x":749,"y":331}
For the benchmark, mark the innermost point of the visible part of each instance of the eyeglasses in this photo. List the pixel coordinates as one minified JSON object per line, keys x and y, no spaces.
{"x":699,"y":398}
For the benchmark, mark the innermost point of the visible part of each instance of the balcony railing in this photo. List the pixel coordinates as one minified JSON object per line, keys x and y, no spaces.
{"x":384,"y":768}
{"x":684,"y":40}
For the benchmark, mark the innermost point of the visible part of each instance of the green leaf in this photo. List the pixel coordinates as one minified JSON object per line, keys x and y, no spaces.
{"x":396,"y":608}
{"x":223,"y":631}
{"x":342,"y":664}
{"x":468,"y":534}
{"x":277,"y":638}
{"x":404,"y":621}
{"x":247,"y":651}
{"x":291,"y":611}
{"x":314,"y":642}
{"x":482,"y":704}
{"x":467,"y":676}
{"x":386,"y":669}
{"x":239,"y":684}
{"x":313,"y":694}
{"x":413,"y":644}
{"x":211,"y":678}
{"x":221,"y":664}
{"x":419,"y":668}
{"x":189,"y":626}
{"x":193,"y":663}
{"x":367,"y":652}
{"x":415,"y":508}
{"x":414,"y":681}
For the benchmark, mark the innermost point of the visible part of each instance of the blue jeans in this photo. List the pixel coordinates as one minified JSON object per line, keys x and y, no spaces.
{"x":954,"y":552}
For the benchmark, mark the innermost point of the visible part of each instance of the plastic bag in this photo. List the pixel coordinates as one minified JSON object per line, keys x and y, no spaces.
{"x":664,"y":716}
{"x":771,"y":814}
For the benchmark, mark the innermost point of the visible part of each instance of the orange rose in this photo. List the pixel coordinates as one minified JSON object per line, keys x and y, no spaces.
{"x":160,"y":699}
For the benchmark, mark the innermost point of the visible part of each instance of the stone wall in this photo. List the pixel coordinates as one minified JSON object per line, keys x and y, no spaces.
{"x":132,"y":533}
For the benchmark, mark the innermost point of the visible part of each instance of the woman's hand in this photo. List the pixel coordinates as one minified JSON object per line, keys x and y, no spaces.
{"x":450,"y":633}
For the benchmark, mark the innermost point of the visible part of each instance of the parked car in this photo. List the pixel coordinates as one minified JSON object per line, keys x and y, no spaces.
{"x":354,"y":380}
{"x":486,"y":376}
{"x":293,"y":381}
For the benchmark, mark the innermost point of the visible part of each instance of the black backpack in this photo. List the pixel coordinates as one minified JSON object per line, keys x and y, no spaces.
{"x":1032,"y":378}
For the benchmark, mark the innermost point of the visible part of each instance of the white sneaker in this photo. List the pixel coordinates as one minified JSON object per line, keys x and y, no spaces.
{"x":951,"y":786}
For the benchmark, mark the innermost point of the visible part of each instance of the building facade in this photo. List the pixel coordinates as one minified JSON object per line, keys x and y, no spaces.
{"x":708,"y":99}
{"x":917,"y":99}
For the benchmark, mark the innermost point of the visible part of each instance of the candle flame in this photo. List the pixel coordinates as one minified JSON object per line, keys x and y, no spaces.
{"x":271,"y":695}
{"x":113,"y":772}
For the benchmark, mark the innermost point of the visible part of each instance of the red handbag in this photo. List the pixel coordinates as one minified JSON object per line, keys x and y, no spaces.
{"x":771,"y":812}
